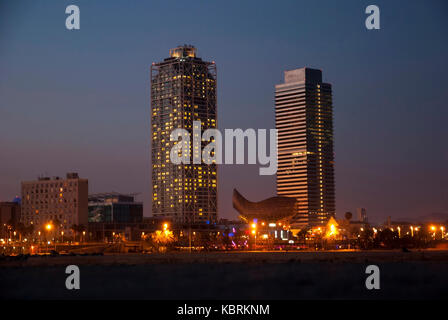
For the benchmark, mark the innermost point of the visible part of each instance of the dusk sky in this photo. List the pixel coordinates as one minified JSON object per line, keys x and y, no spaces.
{"x":79,"y":100}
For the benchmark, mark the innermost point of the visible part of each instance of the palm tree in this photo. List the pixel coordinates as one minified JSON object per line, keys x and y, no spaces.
{"x":301,"y":235}
{"x":348,"y":215}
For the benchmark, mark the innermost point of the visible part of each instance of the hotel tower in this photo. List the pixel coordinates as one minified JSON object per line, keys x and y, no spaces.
{"x":304,"y":120}
{"x":183,"y":90}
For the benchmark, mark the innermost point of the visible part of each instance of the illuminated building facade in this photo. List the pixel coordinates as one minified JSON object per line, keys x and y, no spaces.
{"x":304,"y":119}
{"x":51,"y":200}
{"x":183,"y":90}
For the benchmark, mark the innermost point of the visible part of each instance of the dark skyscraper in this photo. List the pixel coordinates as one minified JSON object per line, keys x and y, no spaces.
{"x":183,"y":90}
{"x":304,"y":119}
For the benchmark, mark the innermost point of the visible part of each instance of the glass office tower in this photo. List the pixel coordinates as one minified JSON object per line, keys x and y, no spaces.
{"x":304,"y":119}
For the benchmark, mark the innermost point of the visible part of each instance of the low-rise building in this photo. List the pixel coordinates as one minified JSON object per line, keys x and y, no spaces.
{"x":114,"y":207}
{"x":9,"y":216}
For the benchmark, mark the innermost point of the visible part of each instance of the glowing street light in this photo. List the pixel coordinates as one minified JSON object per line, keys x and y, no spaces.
{"x":254,"y":232}
{"x":433,"y":229}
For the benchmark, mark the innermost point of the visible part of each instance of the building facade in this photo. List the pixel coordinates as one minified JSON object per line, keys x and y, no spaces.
{"x":304,"y":120}
{"x":361,"y":213}
{"x":114,"y":207}
{"x":9,"y":216}
{"x":183,"y":90}
{"x":55,"y":201}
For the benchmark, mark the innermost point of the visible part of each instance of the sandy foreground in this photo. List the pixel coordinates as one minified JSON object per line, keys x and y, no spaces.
{"x":232,"y":275}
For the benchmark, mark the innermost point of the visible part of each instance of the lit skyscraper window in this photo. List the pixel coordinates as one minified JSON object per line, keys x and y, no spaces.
{"x":304,"y":119}
{"x":183,"y":90}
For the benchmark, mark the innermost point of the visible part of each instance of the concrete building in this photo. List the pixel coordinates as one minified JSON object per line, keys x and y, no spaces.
{"x":133,"y":231}
{"x":9,"y":212}
{"x":361,"y":214}
{"x":183,"y":90}
{"x":114,"y":207}
{"x":9,"y":216}
{"x":51,"y":200}
{"x":304,"y":119}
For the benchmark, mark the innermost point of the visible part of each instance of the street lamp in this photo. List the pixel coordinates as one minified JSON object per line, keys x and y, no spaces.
{"x":433,"y":229}
{"x":254,"y":232}
{"x":48,"y":227}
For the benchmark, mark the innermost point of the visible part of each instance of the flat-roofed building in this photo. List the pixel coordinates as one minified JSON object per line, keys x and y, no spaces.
{"x":114,"y":207}
{"x":55,"y":200}
{"x":304,"y":120}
